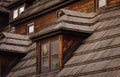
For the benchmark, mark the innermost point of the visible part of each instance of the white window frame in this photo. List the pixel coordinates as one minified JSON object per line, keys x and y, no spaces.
{"x":18,"y":11}
{"x":30,"y":28}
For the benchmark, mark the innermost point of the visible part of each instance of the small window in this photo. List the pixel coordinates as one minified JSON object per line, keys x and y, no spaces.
{"x":102,"y":3}
{"x":30,"y":27}
{"x":21,"y":10}
{"x":15,"y":13}
{"x":18,"y":11}
{"x":49,"y":56}
{"x":12,"y":29}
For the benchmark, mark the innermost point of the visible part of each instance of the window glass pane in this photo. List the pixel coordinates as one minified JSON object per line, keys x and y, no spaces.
{"x":31,"y":29}
{"x":45,"y":49}
{"x":54,"y":62}
{"x":55,"y":47}
{"x":102,"y":3}
{"x":15,"y":13}
{"x":45,"y":64}
{"x":21,"y":10}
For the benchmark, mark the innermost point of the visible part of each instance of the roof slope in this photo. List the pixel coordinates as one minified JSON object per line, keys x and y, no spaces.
{"x":26,"y":67}
{"x":14,"y":43}
{"x":99,"y":55}
{"x":21,"y":44}
{"x":3,"y":5}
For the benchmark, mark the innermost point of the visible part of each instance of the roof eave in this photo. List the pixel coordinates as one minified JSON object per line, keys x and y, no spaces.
{"x":14,"y":4}
{"x":59,"y":31}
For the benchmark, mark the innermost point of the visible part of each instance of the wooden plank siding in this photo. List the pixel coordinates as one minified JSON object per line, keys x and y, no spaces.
{"x":113,"y":2}
{"x":70,"y":43}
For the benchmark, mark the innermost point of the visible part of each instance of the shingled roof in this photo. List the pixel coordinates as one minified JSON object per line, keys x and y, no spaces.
{"x":20,"y":44}
{"x":3,"y":5}
{"x":15,"y":43}
{"x":99,"y":54}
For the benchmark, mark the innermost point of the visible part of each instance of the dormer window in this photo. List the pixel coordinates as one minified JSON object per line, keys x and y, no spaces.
{"x":102,"y":3}
{"x":30,"y":28}
{"x":49,"y":55}
{"x":54,"y":50}
{"x":17,"y":12}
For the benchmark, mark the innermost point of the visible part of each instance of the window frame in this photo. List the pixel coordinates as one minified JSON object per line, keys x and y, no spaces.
{"x":16,"y":13}
{"x":96,"y":4}
{"x":18,"y":9}
{"x":50,"y":55}
{"x":28,"y":27}
{"x":22,"y":10}
{"x":99,"y":6}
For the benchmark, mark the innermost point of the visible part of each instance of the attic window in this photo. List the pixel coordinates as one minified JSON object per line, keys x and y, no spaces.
{"x":49,"y":55}
{"x":12,"y":29}
{"x":15,"y":13}
{"x":30,"y":28}
{"x":18,"y":11}
{"x":21,"y":10}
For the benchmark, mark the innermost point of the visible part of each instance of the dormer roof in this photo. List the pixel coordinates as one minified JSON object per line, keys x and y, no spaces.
{"x":71,"y":21}
{"x":14,"y":43}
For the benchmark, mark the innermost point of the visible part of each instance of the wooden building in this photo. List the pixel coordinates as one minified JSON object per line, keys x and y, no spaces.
{"x":61,"y":38}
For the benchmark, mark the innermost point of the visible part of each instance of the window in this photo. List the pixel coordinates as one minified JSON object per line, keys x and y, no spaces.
{"x":17,"y":12}
{"x":102,"y":3}
{"x":49,"y":56}
{"x":21,"y":10}
{"x":12,"y":29}
{"x":30,"y":27}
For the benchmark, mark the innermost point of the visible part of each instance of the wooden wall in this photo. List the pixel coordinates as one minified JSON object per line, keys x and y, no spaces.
{"x":113,"y":2}
{"x":45,"y":20}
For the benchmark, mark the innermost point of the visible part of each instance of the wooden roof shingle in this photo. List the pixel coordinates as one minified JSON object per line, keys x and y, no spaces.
{"x":99,"y":55}
{"x":14,"y":43}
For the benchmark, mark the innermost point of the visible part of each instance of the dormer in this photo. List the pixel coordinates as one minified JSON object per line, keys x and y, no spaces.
{"x":56,"y":43}
{"x":18,"y":7}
